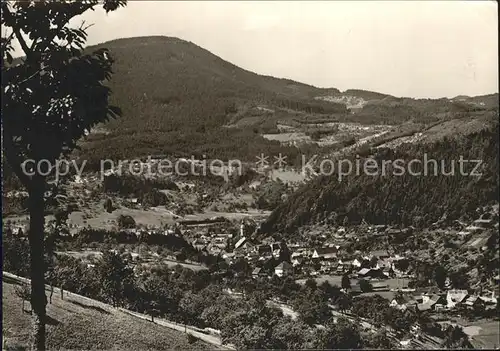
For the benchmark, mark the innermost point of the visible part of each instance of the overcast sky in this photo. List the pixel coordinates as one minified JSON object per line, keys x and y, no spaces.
{"x":407,"y":48}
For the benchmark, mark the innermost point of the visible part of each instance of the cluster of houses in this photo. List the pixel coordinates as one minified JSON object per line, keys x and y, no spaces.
{"x":435,"y":300}
{"x":269,"y":257}
{"x":277,"y":258}
{"x":21,"y":227}
{"x":215,"y":244}
{"x":283,"y":269}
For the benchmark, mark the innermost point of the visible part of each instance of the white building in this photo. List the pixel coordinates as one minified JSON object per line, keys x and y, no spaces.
{"x":283,"y":269}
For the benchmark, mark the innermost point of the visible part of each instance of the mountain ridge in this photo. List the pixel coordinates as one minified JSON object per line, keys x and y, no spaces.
{"x":177,"y":98}
{"x":349,"y":91}
{"x":378,"y":199}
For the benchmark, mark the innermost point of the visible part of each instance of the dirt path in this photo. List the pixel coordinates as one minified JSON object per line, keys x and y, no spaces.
{"x":85,"y":301}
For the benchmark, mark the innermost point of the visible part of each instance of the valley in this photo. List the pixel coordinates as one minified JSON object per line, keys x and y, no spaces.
{"x":367,"y":261}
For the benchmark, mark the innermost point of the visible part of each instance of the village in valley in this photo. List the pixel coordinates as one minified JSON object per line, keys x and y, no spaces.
{"x":361,"y":261}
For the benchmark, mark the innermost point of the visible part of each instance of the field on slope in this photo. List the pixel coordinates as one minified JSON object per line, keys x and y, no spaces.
{"x":75,"y":323}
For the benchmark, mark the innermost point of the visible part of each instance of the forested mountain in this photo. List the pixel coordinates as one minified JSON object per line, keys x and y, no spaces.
{"x":176,"y":97}
{"x":179,"y":99}
{"x":400,"y":199}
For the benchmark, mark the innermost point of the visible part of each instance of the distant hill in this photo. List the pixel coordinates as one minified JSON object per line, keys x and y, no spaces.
{"x":365,"y":94}
{"x":400,"y":199}
{"x":487,"y":101}
{"x":178,"y":99}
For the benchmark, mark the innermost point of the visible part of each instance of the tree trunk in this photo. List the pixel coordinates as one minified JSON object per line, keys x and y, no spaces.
{"x":36,"y":241}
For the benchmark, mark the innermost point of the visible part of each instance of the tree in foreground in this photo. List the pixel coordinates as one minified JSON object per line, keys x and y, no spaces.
{"x":340,"y":334}
{"x":365,"y":285}
{"x":116,"y":278}
{"x":23,"y":291}
{"x":346,"y":282}
{"x":51,"y":97}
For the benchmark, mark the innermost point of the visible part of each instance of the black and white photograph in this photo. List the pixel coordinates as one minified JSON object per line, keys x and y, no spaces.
{"x":250,"y":175}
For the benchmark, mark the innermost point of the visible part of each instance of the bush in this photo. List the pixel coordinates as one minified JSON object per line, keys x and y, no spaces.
{"x":15,"y":255}
{"x":269,"y":195}
{"x":191,"y":339}
{"x":365,"y":285}
{"x":154,"y":198}
{"x":125,"y":221}
{"x":316,"y":135}
{"x":349,"y":141}
{"x":108,"y":205}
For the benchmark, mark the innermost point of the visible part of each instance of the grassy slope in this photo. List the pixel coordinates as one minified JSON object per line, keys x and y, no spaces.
{"x":487,"y":336}
{"x":78,"y":324}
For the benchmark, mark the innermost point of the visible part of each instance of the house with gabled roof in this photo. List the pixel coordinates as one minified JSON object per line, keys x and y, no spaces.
{"x":259,"y":272}
{"x":484,"y":223}
{"x":297,"y":261}
{"x":384,"y":264}
{"x":455,"y":297}
{"x":380,"y":254}
{"x":363,"y":272}
{"x":283,"y":269}
{"x":276,"y":246}
{"x":264,"y":250}
{"x":473,"y":301}
{"x":491,"y":299}
{"x":239,"y":244}
{"x":405,"y":303}
{"x":356,"y":263}
{"x":432,"y":302}
{"x":370,"y":273}
{"x":325,"y":253}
